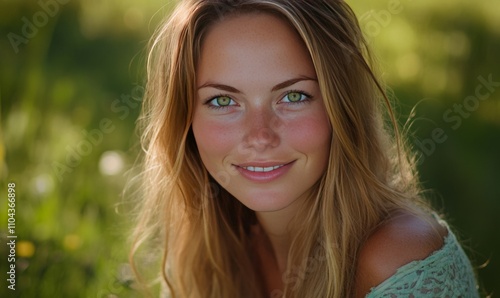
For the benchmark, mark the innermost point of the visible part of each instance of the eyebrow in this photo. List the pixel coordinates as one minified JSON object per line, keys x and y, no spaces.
{"x":279,"y":86}
{"x":290,"y":82}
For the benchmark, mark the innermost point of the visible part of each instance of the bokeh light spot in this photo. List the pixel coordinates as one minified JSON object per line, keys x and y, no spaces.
{"x":25,"y":249}
{"x":72,"y":242}
{"x":111,"y":163}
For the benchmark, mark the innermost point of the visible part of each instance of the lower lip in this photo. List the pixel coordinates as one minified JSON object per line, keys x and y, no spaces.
{"x":263,"y":177}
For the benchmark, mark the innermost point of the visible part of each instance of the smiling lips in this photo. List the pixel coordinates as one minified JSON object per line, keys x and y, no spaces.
{"x":262,"y":169}
{"x":263,"y":174}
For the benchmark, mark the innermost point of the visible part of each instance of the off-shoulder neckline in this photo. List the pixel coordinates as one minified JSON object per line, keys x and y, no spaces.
{"x":449,"y":240}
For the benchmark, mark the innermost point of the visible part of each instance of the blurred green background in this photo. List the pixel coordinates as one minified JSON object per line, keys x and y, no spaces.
{"x":71,"y":77}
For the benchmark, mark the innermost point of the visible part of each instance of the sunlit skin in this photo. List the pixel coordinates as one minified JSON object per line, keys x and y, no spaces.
{"x":259,"y":105}
{"x":262,"y":132}
{"x":259,"y":108}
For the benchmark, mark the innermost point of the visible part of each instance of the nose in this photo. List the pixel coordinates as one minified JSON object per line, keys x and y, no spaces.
{"x":262,"y":130}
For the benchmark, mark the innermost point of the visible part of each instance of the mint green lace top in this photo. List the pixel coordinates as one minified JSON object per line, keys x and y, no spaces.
{"x":445,"y":273}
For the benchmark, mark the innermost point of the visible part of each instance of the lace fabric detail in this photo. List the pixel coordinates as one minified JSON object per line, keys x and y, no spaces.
{"x":447,"y":272}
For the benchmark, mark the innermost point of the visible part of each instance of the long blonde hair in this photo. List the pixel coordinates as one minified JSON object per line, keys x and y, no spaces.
{"x":202,"y":231}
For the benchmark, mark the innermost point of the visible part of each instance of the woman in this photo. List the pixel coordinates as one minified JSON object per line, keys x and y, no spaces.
{"x":269,"y":169}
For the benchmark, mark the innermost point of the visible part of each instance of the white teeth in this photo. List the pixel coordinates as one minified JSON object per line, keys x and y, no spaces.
{"x":261,"y":169}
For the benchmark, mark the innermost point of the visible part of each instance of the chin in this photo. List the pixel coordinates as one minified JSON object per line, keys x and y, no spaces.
{"x":266,"y":203}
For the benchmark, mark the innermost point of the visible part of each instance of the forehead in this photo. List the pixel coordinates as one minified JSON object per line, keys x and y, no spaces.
{"x":253,"y":43}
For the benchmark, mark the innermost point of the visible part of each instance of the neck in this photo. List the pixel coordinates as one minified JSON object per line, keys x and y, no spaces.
{"x":275,"y":225}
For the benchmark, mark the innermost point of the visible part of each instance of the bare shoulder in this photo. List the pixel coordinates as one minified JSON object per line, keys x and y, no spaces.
{"x":403,"y":238}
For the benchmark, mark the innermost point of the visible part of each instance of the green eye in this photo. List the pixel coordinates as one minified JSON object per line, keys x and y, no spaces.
{"x":295,"y":96}
{"x":223,"y":101}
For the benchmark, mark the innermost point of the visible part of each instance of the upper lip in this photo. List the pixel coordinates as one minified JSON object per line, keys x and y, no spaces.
{"x":263,"y":164}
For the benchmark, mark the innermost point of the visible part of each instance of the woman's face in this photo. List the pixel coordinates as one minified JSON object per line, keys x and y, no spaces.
{"x":259,"y":122}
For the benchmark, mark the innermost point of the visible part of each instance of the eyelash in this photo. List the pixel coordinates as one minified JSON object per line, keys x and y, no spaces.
{"x":211,"y":106}
{"x":306,"y":100}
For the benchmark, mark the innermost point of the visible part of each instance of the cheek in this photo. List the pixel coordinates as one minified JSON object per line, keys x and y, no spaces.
{"x":214,"y":139}
{"x":310,"y":134}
